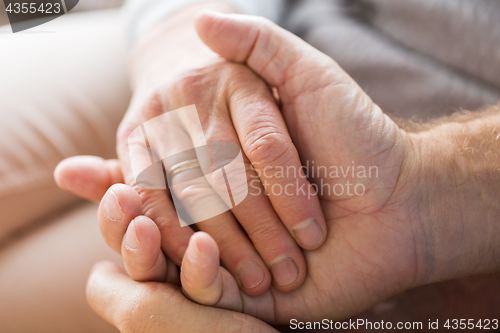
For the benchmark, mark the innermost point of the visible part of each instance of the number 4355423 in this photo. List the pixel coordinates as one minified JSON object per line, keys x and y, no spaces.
{"x":32,"y":8}
{"x":462,"y":324}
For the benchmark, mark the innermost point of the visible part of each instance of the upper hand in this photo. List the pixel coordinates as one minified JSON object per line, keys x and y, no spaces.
{"x":234,"y":105}
{"x":374,"y":246}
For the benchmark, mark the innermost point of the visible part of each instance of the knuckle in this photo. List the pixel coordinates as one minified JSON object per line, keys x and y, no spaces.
{"x":237,"y":178}
{"x":153,"y":206}
{"x":266,"y":232}
{"x":268,"y":146}
{"x":150,"y":198}
{"x":227,"y":239}
{"x":152,"y":106}
{"x":196,"y":194}
{"x":213,"y":80}
{"x":264,"y":23}
{"x":124,"y":130}
{"x":200,"y":200}
{"x":189,"y":84}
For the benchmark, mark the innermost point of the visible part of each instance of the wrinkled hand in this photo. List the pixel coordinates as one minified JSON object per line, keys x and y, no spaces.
{"x":372,"y":248}
{"x":376,"y":246}
{"x":399,"y":231}
{"x":260,"y":237}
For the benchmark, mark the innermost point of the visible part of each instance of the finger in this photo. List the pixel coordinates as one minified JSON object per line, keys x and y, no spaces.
{"x":136,"y":157}
{"x":267,"y":144}
{"x":237,"y":252}
{"x":119,"y":209}
{"x":156,"y":205}
{"x":275,"y":54}
{"x":267,"y":233}
{"x":270,"y":51}
{"x":226,"y":184}
{"x":87,"y":176}
{"x":194,"y":195}
{"x":307,"y":82}
{"x":119,"y":206}
{"x":203,"y":279}
{"x":142,"y":255}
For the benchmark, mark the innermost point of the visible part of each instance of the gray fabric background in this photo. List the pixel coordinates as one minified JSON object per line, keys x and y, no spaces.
{"x":416,"y":58}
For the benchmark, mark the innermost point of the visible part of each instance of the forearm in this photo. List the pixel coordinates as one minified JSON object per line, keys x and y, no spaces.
{"x":459,"y":196}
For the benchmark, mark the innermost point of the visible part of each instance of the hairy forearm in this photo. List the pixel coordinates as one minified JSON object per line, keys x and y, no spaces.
{"x":171,"y":47}
{"x":459,"y":196}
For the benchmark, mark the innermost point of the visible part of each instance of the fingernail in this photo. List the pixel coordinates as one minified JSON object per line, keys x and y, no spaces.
{"x":284,"y":271}
{"x":250,"y":274}
{"x":112,"y":207}
{"x":193,"y":253}
{"x":131,"y":240}
{"x":308,"y":233}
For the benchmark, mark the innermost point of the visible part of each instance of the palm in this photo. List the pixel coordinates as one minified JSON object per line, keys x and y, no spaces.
{"x":369,"y":253}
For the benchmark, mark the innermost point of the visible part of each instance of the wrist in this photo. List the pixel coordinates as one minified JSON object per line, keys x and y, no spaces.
{"x":458,"y":200}
{"x":171,"y":47}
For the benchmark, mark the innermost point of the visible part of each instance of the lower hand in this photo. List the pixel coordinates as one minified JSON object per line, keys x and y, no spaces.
{"x":157,"y":307}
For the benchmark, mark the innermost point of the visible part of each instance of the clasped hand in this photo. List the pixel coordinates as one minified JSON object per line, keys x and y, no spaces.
{"x":361,"y":247}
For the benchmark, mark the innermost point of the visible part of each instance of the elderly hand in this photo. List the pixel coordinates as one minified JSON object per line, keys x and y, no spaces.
{"x":258,"y":238}
{"x":402,"y":231}
{"x":379,"y":240}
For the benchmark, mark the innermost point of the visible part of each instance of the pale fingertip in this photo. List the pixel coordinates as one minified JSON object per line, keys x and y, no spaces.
{"x":200,"y":273}
{"x":202,"y":249}
{"x":85,"y":176}
{"x":141,"y":251}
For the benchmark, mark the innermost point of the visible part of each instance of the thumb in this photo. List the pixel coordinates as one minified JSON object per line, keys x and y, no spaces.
{"x":202,"y":278}
{"x":87,"y":176}
{"x":274,"y":53}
